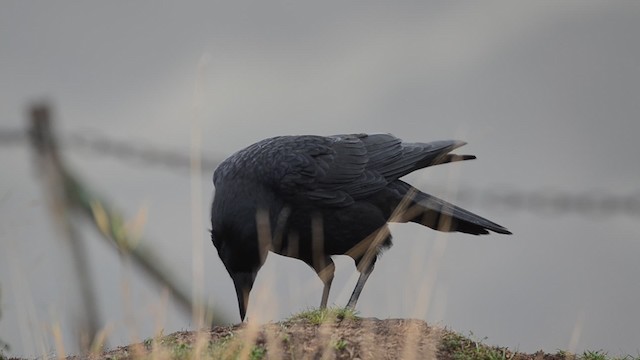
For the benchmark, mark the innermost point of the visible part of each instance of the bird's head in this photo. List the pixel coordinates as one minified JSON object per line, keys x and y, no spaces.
{"x":234,"y":232}
{"x":241,"y":265}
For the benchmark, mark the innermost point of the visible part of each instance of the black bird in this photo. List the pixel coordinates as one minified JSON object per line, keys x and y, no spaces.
{"x":310,"y":197}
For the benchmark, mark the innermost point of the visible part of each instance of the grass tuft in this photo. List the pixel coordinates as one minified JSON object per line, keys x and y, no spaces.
{"x":603,"y":355}
{"x":321,"y":316}
{"x":258,"y":353}
{"x":460,"y":347}
{"x":594,"y":355}
{"x":340,"y":344}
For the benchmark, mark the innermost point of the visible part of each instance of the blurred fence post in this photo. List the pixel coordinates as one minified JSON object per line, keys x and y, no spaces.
{"x":68,"y":193}
{"x":53,"y":178}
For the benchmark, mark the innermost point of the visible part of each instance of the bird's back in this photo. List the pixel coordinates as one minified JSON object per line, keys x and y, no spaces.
{"x":328,"y":171}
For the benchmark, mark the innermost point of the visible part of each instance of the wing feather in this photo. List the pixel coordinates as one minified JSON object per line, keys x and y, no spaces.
{"x":333,"y":170}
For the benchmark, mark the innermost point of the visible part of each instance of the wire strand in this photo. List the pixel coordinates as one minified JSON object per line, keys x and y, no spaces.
{"x":547,"y":202}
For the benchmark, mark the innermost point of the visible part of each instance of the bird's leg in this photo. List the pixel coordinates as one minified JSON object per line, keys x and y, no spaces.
{"x":365,"y":258}
{"x":359,"y":286}
{"x":326,"y":275}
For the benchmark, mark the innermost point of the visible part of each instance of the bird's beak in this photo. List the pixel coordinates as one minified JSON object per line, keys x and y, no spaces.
{"x":243,"y":281}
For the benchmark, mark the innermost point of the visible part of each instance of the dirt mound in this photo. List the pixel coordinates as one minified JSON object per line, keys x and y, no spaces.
{"x":305,"y":338}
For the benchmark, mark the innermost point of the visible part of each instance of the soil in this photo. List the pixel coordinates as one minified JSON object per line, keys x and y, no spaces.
{"x":357,"y":338}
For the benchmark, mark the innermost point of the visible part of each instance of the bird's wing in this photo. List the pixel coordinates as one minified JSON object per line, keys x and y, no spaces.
{"x":392,"y":158}
{"x":326,"y":170}
{"x":334,"y":170}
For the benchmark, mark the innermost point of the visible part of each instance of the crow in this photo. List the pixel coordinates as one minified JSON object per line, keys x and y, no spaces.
{"x":310,"y":197}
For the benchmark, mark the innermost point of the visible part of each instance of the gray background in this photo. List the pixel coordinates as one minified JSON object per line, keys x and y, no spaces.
{"x":547,"y":94}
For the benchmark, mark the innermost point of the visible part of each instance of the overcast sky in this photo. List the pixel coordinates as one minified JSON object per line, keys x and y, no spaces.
{"x":546,"y":93}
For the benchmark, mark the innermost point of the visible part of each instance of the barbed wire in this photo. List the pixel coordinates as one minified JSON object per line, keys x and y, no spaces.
{"x":126,"y":151}
{"x":123,"y":150}
{"x":543,"y":201}
{"x":551,"y":202}
{"x":10,"y":137}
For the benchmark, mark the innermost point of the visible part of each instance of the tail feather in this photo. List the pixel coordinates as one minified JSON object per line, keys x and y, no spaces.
{"x":440,"y":215}
{"x":453,"y":158}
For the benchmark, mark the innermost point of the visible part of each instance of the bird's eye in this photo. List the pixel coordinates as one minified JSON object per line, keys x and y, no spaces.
{"x":215,"y":238}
